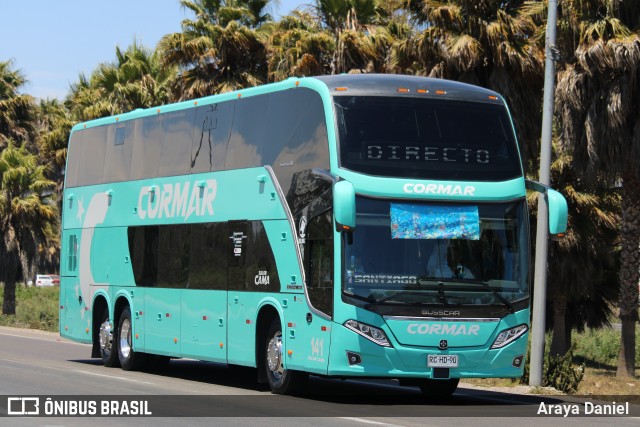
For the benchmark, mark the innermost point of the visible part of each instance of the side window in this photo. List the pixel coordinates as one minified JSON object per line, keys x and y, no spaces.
{"x":73,"y":159}
{"x":92,"y":155}
{"x":237,"y":254}
{"x":176,"y":145}
{"x":319,"y":262}
{"x":248,"y":133}
{"x":209,"y":243}
{"x":210,"y":136}
{"x":173,"y":256}
{"x":72,"y":254}
{"x":261,"y":270}
{"x":117,"y":160}
{"x":143,"y":251}
{"x":296,"y":136}
{"x":146,"y":147}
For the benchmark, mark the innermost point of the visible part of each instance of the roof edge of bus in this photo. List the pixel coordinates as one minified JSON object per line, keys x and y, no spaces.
{"x":289,"y":83}
{"x":326,"y":85}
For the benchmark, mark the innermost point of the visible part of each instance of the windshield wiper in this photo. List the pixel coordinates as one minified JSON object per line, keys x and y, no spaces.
{"x":493,"y":290}
{"x":441,"y":297}
{"x":368,"y":299}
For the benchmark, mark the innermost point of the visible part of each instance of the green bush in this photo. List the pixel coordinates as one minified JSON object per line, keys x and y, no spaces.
{"x":559,"y":372}
{"x":601,"y":347}
{"x":36,"y":308}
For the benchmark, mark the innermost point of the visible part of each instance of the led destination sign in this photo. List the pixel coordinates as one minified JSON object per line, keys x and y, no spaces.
{"x":429,"y":154}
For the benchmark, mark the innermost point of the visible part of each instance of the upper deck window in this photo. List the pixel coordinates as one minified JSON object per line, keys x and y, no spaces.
{"x":426,"y":138}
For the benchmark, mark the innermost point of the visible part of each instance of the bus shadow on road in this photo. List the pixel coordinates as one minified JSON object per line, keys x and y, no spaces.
{"x":379,"y":394}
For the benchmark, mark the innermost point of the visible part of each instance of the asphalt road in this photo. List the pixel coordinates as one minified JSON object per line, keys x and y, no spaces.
{"x":34,"y":363}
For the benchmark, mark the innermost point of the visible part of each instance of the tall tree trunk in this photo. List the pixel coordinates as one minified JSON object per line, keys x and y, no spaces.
{"x":629,"y":272}
{"x":9,"y":303}
{"x":559,"y":345}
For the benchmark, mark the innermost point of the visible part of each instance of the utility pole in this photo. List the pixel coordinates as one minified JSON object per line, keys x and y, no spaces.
{"x":542,"y":234}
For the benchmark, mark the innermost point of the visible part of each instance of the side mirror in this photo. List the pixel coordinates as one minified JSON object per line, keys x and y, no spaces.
{"x":558,"y":209}
{"x":558,"y":212}
{"x":344,"y":205}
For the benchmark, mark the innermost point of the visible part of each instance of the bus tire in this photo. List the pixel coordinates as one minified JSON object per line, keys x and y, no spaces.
{"x":439,"y":388}
{"x":108,"y":343}
{"x":280,"y":380}
{"x":130,"y":360}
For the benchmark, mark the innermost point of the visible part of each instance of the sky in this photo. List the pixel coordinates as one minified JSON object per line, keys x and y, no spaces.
{"x":52,"y":41}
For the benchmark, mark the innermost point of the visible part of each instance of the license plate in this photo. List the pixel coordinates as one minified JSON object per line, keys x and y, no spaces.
{"x":442,"y":361}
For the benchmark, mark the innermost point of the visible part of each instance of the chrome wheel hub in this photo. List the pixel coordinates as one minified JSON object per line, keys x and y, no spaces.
{"x":106,"y":336}
{"x":274,"y":355}
{"x":125,"y":338}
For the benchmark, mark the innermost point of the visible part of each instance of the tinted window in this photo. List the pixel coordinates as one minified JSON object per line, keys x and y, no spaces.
{"x":252,"y":264}
{"x":173,"y":256}
{"x":210,"y":136}
{"x":147,"y":147}
{"x":209,"y":243}
{"x":143,"y":250}
{"x":261,"y":271}
{"x":73,"y":159}
{"x":92,"y":155}
{"x":296,"y":136}
{"x":248,"y":133}
{"x":176,"y":145}
{"x":118,"y":152}
{"x":426,"y":138}
{"x":237,"y":254}
{"x":319,"y":262}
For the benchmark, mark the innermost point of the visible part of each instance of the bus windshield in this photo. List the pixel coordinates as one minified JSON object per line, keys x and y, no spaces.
{"x":437,"y":254}
{"x":426,"y":138}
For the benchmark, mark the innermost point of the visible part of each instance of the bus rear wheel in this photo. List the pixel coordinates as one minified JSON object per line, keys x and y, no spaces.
{"x":108,"y":345}
{"x":280,"y":380}
{"x":130,"y":360}
{"x":439,"y":388}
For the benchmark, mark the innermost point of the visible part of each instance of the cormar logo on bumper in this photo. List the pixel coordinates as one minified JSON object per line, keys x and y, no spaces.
{"x":442,"y":329}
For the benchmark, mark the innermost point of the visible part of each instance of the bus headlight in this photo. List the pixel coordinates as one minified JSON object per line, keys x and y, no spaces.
{"x":509,"y":335}
{"x":369,"y":332}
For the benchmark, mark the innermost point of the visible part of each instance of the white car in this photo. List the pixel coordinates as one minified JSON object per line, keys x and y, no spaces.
{"x":42,"y":280}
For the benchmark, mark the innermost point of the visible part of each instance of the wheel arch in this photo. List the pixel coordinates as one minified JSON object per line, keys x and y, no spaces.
{"x":267,"y":313}
{"x":100,"y":303}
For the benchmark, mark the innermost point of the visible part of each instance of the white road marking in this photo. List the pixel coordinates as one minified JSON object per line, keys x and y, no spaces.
{"x":362,"y":420}
{"x":113,"y":377}
{"x":43,"y":339}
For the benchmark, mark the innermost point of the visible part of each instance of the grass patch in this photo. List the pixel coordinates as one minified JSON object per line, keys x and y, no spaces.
{"x":598,"y":351}
{"x":36,"y":308}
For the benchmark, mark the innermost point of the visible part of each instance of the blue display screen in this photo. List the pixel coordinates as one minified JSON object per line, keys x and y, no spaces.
{"x":412,"y":221}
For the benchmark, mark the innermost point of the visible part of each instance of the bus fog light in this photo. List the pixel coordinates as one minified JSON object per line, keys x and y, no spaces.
{"x":517,"y":361}
{"x":353,"y":358}
{"x":369,"y":332}
{"x":509,"y":335}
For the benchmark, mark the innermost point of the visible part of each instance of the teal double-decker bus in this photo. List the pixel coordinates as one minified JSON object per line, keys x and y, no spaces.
{"x":352,"y":226}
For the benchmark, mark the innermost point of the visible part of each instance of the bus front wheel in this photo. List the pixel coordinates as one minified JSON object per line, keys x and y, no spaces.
{"x":130,"y":360}
{"x":281,"y":380}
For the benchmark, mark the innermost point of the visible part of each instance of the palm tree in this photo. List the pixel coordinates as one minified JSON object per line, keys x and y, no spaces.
{"x":54,"y":124}
{"x":581,"y":287}
{"x":17,"y":111}
{"x":298,"y":46}
{"x":134,"y":80}
{"x":27,"y":217}
{"x":360,"y":40}
{"x":598,"y":104}
{"x":487,"y":43}
{"x":87,"y":102}
{"x":215,"y":52}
